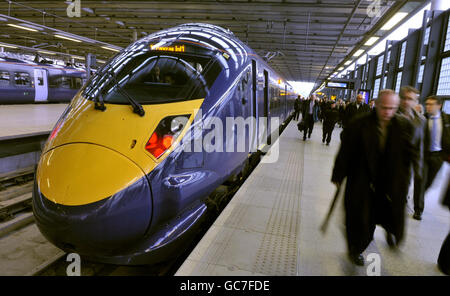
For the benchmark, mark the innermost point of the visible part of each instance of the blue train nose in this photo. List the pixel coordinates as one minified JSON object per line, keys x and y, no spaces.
{"x":108,"y":224}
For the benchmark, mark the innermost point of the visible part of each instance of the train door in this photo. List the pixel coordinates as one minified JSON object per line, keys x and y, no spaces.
{"x":266,"y":105}
{"x":254,"y":142}
{"x":40,"y":85}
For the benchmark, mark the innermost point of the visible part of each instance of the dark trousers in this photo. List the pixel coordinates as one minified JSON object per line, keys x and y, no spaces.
{"x":309,"y":122}
{"x":444,"y":256}
{"x":418,"y":195}
{"x":327,"y":131}
{"x":432,"y":164}
{"x":296,"y":114}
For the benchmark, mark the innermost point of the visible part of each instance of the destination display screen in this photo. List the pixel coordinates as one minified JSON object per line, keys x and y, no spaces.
{"x":337,"y":84}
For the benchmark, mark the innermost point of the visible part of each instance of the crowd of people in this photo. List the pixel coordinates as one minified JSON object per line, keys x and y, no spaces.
{"x":386,"y":145}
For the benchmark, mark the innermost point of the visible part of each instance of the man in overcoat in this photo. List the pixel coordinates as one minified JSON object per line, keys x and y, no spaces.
{"x":375,"y":156}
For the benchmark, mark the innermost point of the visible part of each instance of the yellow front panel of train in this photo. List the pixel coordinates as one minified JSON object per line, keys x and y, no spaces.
{"x":120,"y":129}
{"x":95,"y":154}
{"x":79,"y":174}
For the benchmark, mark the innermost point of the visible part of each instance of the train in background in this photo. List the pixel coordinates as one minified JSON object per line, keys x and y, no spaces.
{"x":120,"y":179}
{"x":23,"y":82}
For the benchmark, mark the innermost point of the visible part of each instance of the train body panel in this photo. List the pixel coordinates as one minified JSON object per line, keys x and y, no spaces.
{"x":211,"y":121}
{"x":22,"y":82}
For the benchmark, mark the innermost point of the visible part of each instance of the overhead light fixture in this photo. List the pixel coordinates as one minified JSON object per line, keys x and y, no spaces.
{"x":5,"y":45}
{"x":358,"y":53}
{"x":67,"y":38}
{"x":101,"y":61}
{"x":46,"y":52}
{"x":341,"y":68}
{"x":347,"y":63}
{"x":109,"y":48}
{"x":77,"y":57}
{"x":371,"y":41}
{"x":394,"y":20}
{"x":22,"y":27}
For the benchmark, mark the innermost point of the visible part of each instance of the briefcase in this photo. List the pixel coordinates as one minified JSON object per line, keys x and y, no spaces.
{"x":301,"y":125}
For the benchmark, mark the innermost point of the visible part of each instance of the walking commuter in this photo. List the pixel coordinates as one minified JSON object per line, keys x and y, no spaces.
{"x":408,"y":101}
{"x":297,"y":108}
{"x":354,"y":109}
{"x":375,"y":156}
{"x":308,"y":115}
{"x":341,"y":112}
{"x":331,"y":117}
{"x":436,"y":143}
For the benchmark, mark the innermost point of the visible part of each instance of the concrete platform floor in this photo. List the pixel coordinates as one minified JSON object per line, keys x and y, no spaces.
{"x":29,"y":118}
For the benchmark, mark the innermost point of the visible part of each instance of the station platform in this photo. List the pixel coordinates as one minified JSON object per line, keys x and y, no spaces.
{"x":30,"y":119}
{"x":271,"y":226}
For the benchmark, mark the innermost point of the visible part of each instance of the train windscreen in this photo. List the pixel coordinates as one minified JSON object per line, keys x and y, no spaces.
{"x":155,"y":77}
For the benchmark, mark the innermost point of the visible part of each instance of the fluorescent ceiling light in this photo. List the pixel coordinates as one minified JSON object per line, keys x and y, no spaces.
{"x":394,"y":20}
{"x":101,"y":61}
{"x":46,"y":52}
{"x":109,"y":48}
{"x":67,"y":38}
{"x":9,"y":46}
{"x":22,"y":27}
{"x":358,"y":53}
{"x":371,"y":41}
{"x":78,"y":57}
{"x":341,"y":68}
{"x":347,"y":63}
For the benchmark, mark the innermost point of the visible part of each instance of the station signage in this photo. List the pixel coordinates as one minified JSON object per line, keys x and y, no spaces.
{"x":340,"y":84}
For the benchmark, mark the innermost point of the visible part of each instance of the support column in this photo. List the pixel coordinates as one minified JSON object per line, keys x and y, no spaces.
{"x":438,"y":5}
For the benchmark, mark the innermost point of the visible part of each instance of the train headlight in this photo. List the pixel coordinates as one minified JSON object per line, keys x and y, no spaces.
{"x":165,"y":134}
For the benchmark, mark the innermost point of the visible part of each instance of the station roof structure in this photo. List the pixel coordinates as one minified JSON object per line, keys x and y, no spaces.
{"x":307,"y":39}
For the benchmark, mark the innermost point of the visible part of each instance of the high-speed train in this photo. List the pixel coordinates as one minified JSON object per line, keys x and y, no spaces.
{"x":27,"y":82}
{"x":122,"y":178}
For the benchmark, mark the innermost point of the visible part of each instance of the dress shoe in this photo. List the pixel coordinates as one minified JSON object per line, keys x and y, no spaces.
{"x":328,"y":144}
{"x":304,"y":139}
{"x":417,"y":216}
{"x":357,"y":259}
{"x":390,"y":239}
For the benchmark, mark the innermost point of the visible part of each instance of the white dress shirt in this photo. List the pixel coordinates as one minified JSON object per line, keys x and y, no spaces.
{"x":437,"y":145}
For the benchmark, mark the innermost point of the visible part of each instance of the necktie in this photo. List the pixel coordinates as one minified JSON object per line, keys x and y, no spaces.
{"x":433,"y":134}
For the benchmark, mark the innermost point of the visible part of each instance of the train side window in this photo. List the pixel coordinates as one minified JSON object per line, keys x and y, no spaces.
{"x":76,"y":83}
{"x":4,"y":78}
{"x":65,"y":82}
{"x":22,"y":78}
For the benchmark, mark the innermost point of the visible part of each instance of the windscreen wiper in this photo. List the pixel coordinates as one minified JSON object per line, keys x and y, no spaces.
{"x":99,"y":103}
{"x":137,"y":108}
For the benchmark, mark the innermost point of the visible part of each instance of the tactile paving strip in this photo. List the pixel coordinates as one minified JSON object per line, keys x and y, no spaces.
{"x":257,"y":233}
{"x":277,"y":254}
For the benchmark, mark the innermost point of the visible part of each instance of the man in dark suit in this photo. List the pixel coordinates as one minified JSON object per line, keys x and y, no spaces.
{"x":436,"y":140}
{"x":408,"y":101}
{"x":297,"y":106}
{"x":308,"y":115}
{"x":375,"y":156}
{"x":330,"y":118}
{"x":354,"y":109}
